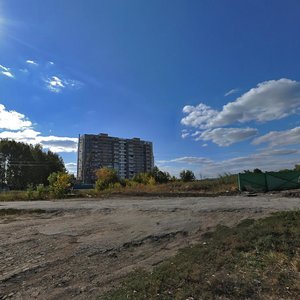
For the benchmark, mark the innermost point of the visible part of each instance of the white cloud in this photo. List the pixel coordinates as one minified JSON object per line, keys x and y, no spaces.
{"x":22,"y":135}
{"x":3,"y":68}
{"x":188,"y":160}
{"x":270,"y":100}
{"x":198,"y":116}
{"x":266,"y":161}
{"x":233,"y":91}
{"x":280,"y":138}
{"x":12,"y":120}
{"x":53,"y":143}
{"x":71,"y":167}
{"x":184,"y":134}
{"x":56,"y":84}
{"x":32,"y":62}
{"x":17,"y":127}
{"x":58,"y":144}
{"x":8,"y":74}
{"x":227,"y":136}
{"x":278,"y":152}
{"x":6,"y":71}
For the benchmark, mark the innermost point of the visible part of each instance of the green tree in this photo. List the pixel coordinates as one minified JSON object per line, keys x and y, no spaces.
{"x":187,"y":175}
{"x":297,"y":168}
{"x":160,"y":176}
{"x":60,"y":183}
{"x":22,"y":164}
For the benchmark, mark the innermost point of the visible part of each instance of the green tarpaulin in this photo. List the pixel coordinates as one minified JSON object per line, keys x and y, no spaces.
{"x":269,"y":181}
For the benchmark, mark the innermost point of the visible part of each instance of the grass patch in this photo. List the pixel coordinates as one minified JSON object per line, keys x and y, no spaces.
{"x":13,"y":196}
{"x":14,"y":211}
{"x":254,"y":260}
{"x":224,"y":185}
{"x":24,"y":195}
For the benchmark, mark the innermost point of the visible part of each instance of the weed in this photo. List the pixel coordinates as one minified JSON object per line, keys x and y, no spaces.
{"x":254,"y":260}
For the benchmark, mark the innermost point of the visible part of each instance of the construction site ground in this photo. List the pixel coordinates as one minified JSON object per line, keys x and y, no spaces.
{"x":80,"y":248}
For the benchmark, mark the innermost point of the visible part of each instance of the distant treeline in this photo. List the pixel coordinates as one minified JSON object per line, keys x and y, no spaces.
{"x":22,"y":165}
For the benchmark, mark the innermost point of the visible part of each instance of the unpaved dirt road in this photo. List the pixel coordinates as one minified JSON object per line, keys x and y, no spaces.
{"x":80,"y":248}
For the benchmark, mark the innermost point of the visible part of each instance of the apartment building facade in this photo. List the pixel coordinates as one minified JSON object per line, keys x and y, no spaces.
{"x":127,"y":156}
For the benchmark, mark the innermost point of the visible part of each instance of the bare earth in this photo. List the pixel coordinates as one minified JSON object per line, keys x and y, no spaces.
{"x":81,"y":248}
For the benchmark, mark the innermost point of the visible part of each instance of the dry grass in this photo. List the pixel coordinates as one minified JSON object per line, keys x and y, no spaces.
{"x":223,"y":185}
{"x":226,"y":184}
{"x":13,"y":196}
{"x":254,"y":260}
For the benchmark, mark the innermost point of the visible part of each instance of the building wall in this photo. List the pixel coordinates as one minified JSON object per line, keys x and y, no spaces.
{"x":127,"y":156}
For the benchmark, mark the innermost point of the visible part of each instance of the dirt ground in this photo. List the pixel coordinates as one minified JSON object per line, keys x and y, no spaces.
{"x":80,"y":248}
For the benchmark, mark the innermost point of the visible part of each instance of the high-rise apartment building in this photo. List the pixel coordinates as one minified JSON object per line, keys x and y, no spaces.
{"x":127,"y":156}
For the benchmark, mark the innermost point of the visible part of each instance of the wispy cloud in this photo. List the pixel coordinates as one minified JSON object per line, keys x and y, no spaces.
{"x":280,"y":138}
{"x":184,"y":133}
{"x":188,"y":160}
{"x":32,"y":62}
{"x":269,"y":160}
{"x":56,"y":84}
{"x":24,"y":70}
{"x":44,"y":73}
{"x":8,"y":74}
{"x":233,"y":91}
{"x":227,"y":136}
{"x":3,"y":68}
{"x":6,"y":71}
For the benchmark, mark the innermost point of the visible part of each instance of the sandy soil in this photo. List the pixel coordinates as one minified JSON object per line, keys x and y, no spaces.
{"x":80,"y":248}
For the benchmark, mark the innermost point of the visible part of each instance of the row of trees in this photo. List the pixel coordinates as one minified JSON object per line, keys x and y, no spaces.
{"x":25,"y":166}
{"x":22,"y":165}
{"x":107,"y":177}
{"x":259,"y":171}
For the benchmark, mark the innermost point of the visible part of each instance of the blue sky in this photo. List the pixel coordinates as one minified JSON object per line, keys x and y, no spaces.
{"x":214,"y":85}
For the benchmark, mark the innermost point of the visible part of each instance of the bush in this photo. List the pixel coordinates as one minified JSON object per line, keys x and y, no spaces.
{"x":144,"y":178}
{"x":42,"y":191}
{"x":30,"y":192}
{"x":60,"y":183}
{"x":106,"y":177}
